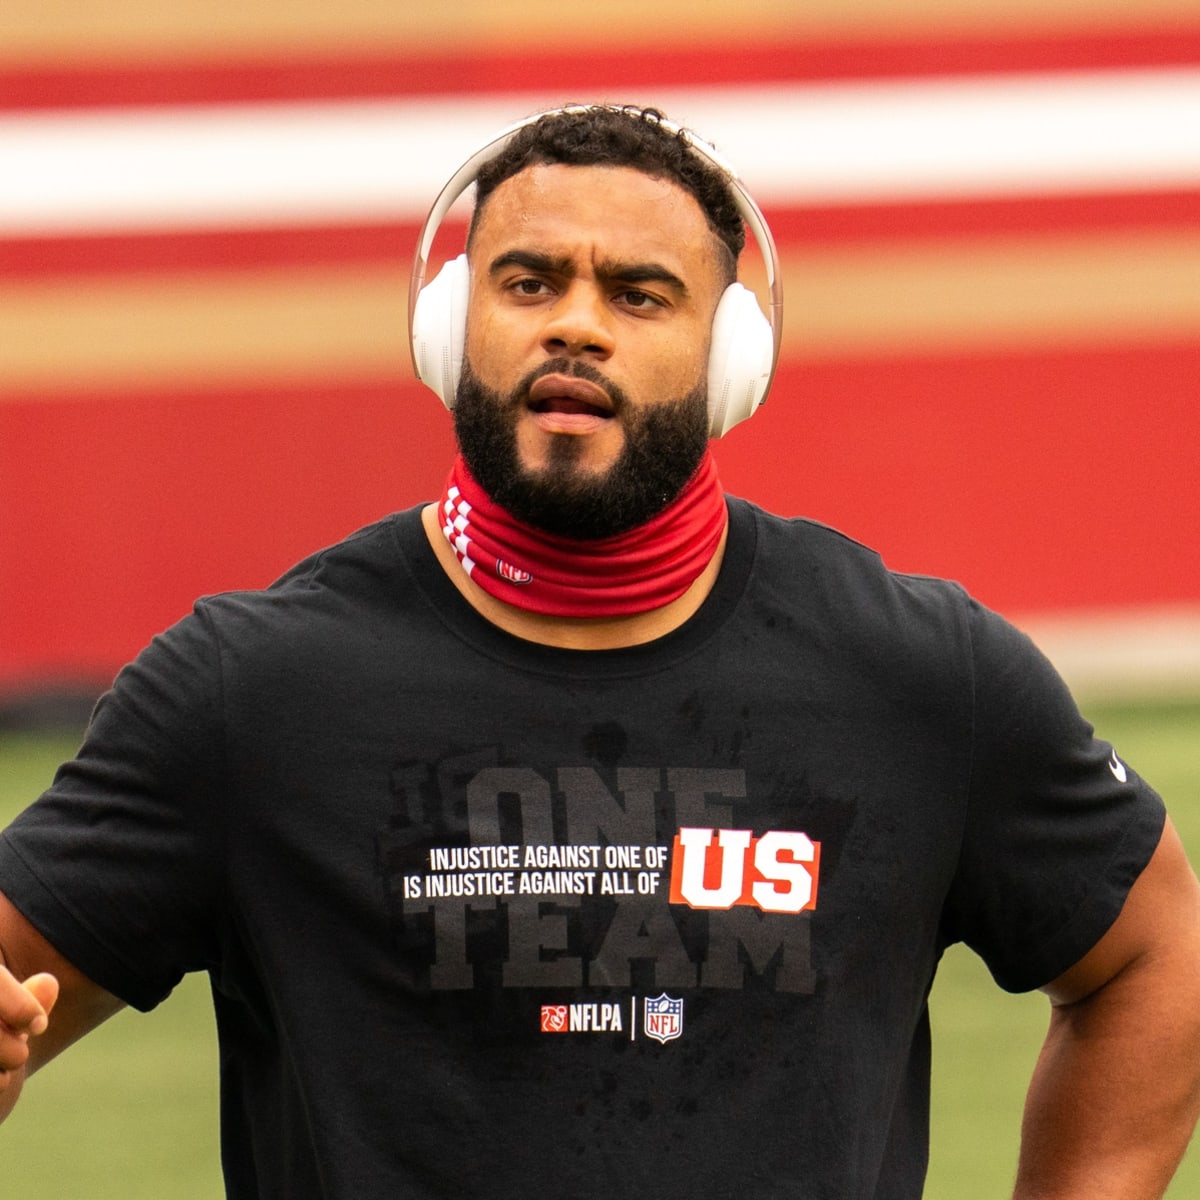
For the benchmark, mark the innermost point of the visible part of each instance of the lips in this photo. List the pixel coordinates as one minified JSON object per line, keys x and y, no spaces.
{"x":568,"y":394}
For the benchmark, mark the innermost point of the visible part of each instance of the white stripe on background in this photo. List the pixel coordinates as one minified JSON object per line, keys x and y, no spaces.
{"x":247,"y":165}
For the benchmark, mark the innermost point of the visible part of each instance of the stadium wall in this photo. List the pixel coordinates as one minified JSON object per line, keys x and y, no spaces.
{"x":989,"y":222}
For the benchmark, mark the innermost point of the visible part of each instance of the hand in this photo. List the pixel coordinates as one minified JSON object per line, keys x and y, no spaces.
{"x":24,"y":1013}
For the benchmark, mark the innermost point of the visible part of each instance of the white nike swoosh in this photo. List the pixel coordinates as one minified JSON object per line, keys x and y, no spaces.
{"x":1117,"y":767}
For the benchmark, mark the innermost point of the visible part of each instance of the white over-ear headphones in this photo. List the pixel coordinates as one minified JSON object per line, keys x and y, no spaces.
{"x":745,"y":344}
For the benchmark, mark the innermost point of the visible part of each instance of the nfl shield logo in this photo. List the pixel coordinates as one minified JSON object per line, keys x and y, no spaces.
{"x":662,"y":1017}
{"x":513,"y":574}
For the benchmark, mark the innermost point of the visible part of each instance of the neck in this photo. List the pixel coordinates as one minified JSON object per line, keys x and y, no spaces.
{"x":619,"y":591}
{"x":572,"y":633}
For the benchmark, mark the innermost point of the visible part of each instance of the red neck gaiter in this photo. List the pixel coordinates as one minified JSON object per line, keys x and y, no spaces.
{"x":629,"y":573}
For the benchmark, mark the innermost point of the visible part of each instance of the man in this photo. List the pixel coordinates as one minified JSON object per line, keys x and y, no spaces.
{"x":589,"y":834}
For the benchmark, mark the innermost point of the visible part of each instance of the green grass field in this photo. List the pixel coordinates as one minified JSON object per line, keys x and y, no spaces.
{"x":131,"y":1114}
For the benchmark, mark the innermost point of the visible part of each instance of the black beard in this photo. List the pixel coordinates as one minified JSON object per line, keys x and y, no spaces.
{"x":664,"y":445}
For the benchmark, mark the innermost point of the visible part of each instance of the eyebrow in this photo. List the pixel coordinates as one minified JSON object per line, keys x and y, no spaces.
{"x":549,"y":264}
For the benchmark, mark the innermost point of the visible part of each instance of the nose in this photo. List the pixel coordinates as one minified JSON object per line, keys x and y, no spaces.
{"x":578,"y":323}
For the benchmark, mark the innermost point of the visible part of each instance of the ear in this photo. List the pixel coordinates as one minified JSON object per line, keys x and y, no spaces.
{"x":739,"y":361}
{"x":439,"y":329}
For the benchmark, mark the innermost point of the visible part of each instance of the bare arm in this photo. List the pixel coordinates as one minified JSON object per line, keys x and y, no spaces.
{"x":45,"y":1003}
{"x":1116,"y":1091}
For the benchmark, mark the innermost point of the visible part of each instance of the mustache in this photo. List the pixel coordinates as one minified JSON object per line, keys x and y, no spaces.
{"x":573,"y":367}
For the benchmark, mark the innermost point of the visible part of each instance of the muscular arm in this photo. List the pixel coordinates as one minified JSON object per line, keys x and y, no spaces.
{"x":45,"y":1003}
{"x":1116,"y":1091}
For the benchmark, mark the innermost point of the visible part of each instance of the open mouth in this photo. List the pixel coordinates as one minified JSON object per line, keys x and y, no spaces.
{"x":569,"y":395}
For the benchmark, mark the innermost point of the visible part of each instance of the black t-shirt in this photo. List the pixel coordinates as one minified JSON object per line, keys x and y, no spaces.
{"x":486,"y":918}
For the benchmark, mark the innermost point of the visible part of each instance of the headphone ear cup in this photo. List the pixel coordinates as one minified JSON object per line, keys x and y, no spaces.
{"x":739,"y":360}
{"x":439,"y":329}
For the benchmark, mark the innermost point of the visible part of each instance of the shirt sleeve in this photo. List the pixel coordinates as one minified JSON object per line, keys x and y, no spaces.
{"x":1058,"y":827}
{"x":119,"y":863}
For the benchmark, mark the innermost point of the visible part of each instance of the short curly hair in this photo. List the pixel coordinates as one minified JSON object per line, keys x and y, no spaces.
{"x":604,"y":135}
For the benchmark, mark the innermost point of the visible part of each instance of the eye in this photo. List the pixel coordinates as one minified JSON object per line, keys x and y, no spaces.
{"x":633,"y":298}
{"x":528,"y":286}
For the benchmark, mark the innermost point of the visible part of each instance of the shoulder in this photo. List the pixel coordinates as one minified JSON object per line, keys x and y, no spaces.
{"x":924,"y":629}
{"x":826,"y":552}
{"x":838,"y":579}
{"x":354,"y":571}
{"x":236,"y":641}
{"x":373,"y":552}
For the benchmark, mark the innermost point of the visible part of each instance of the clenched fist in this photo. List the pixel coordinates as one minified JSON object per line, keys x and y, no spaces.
{"x":24,"y":1014}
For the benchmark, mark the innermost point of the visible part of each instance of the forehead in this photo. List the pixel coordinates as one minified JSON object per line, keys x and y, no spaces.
{"x":618,"y":212}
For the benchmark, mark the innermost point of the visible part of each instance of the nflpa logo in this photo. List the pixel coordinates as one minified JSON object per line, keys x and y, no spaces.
{"x":555,"y":1018}
{"x":776,"y":872}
